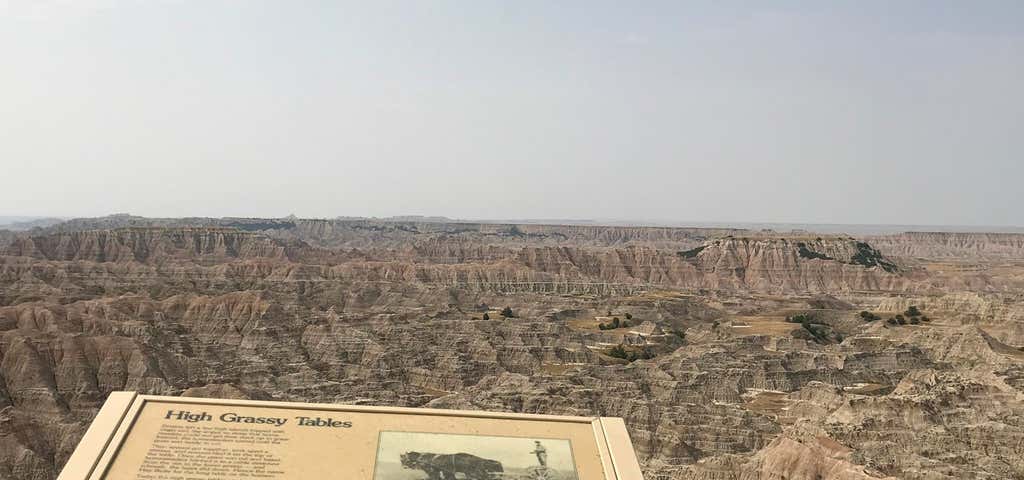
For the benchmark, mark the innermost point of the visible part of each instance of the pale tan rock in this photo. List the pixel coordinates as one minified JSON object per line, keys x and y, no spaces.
{"x":374,"y":312}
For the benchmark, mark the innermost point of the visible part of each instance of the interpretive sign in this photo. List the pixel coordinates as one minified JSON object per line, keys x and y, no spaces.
{"x":173,"y":438}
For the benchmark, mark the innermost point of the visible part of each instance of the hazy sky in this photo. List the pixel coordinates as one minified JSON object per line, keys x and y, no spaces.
{"x":842,"y":112}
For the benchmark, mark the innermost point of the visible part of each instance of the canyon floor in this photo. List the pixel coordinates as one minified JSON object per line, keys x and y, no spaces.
{"x":731,"y":354}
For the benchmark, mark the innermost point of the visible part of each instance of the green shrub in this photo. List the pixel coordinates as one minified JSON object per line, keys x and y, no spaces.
{"x":912,"y":311}
{"x":869,"y":257}
{"x":692,"y":253}
{"x":869,"y":317}
{"x":487,"y":317}
{"x":807,"y":253}
{"x":800,"y":318}
{"x":619,"y":351}
{"x":612,"y":325}
{"x":507,"y":312}
{"x":816,"y":331}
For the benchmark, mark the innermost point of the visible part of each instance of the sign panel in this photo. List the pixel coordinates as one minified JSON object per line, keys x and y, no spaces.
{"x":171,"y":438}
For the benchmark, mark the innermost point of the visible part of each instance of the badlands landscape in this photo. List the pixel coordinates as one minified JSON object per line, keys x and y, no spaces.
{"x":732,"y":354}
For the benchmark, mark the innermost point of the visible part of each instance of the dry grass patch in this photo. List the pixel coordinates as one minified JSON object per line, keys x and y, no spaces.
{"x":774,"y":325}
{"x":433,"y":392}
{"x":586,"y":324}
{"x":865,"y":388}
{"x":766,"y":402}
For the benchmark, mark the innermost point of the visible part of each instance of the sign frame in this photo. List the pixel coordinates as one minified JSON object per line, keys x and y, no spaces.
{"x":106,"y":435}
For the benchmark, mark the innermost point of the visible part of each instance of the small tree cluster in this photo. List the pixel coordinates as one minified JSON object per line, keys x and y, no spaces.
{"x":820,"y":334}
{"x":869,"y":317}
{"x":630,"y":355}
{"x":800,"y":318}
{"x":613,"y":324}
{"x":912,"y":316}
{"x":507,"y":312}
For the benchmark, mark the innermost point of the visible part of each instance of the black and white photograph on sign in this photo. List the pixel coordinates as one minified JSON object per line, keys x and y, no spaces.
{"x":442,"y":456}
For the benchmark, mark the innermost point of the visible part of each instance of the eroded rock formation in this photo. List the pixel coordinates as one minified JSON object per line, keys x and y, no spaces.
{"x":746,"y":356}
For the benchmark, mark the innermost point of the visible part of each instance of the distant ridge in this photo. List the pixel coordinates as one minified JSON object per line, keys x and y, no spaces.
{"x":27,"y":223}
{"x":24,"y":223}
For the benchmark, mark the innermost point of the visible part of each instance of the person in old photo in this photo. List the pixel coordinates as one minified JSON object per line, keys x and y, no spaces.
{"x":541,"y":453}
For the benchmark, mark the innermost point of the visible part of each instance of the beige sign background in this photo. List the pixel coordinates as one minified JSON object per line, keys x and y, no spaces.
{"x":165,"y":438}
